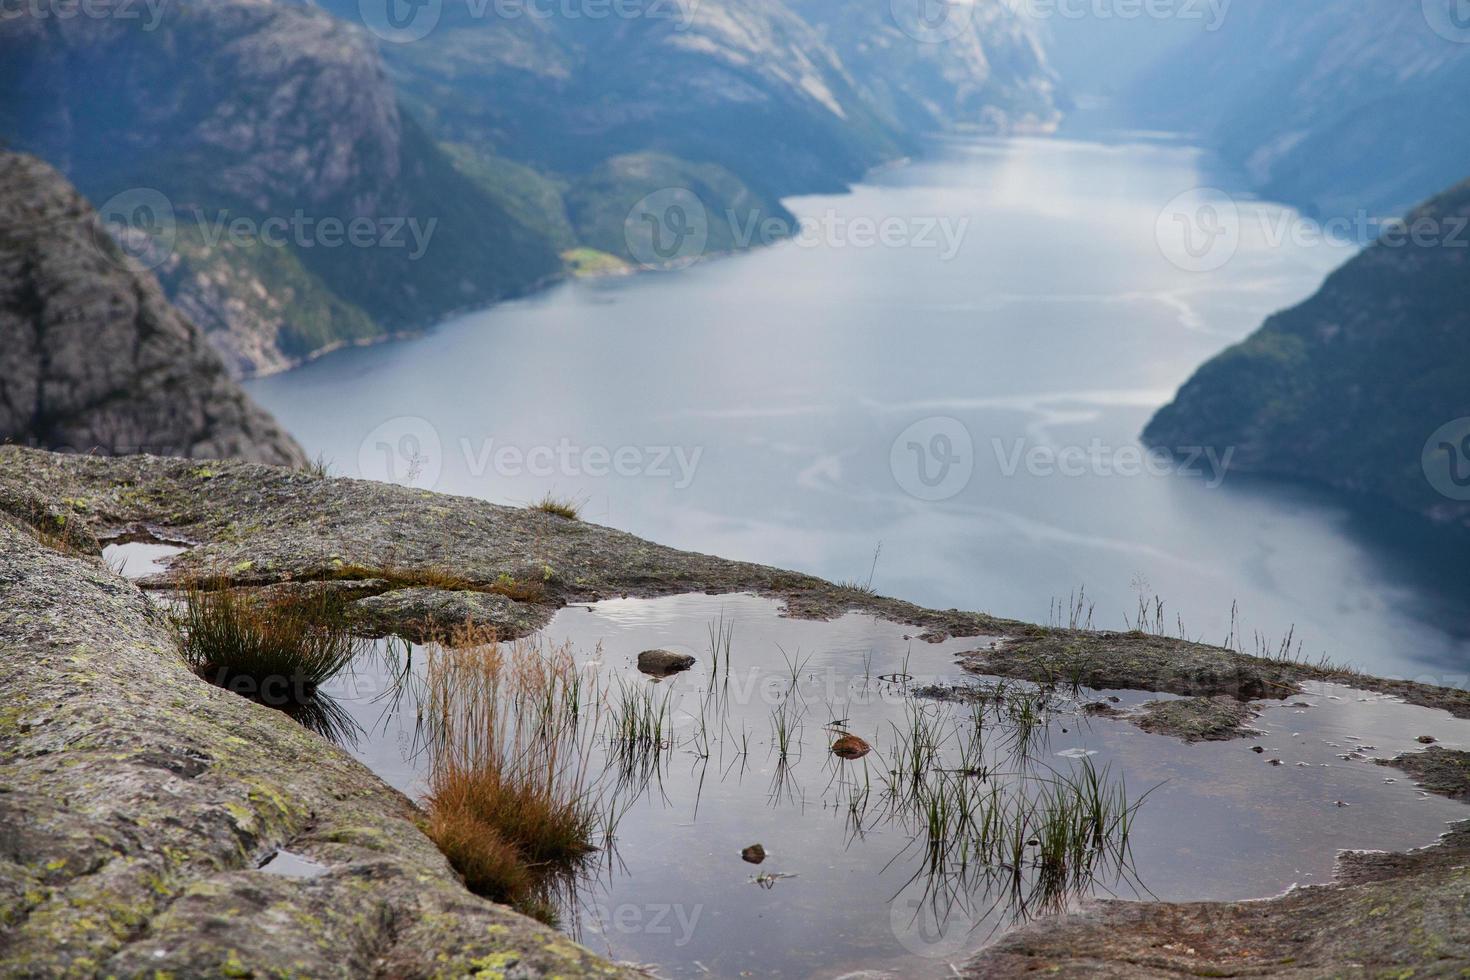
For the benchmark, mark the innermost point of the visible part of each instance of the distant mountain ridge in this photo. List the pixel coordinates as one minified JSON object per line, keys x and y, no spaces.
{"x":92,"y":357}
{"x":1362,"y":387}
{"x":520,"y":138}
{"x":1334,"y":106}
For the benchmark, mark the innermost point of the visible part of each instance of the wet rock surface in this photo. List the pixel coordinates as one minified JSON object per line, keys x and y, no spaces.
{"x":137,"y":801}
{"x":1436,"y":770}
{"x":662,"y":663}
{"x":423,"y":613}
{"x":850,"y":747}
{"x":1216,"y":719}
{"x":1148,"y":662}
{"x":1398,"y":915}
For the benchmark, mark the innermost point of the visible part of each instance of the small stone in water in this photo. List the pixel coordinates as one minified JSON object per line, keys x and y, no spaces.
{"x":1276,"y":762}
{"x":850,"y":747}
{"x":1258,"y":749}
{"x":1426,"y":739}
{"x":754,"y":854}
{"x":661,"y":663}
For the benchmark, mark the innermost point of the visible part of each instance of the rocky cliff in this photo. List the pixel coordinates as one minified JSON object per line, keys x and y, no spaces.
{"x":1361,"y":386}
{"x":269,"y":130}
{"x":93,"y":357}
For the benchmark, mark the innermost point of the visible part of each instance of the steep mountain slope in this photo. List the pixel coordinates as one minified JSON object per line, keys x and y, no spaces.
{"x":524,"y":131}
{"x":784,"y":97}
{"x":1333,"y":105}
{"x":92,"y":357}
{"x":1354,"y":388}
{"x":982,"y":66}
{"x":248,"y":110}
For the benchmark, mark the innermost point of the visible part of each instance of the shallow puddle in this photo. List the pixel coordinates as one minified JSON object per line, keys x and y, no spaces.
{"x":288,"y":864}
{"x":139,"y":559}
{"x":849,"y":879}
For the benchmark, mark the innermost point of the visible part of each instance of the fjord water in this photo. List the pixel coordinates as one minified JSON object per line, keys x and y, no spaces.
{"x":787,"y":406}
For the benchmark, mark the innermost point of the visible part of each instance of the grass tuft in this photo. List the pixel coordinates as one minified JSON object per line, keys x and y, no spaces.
{"x":564,"y":507}
{"x":508,"y":800}
{"x":277,"y":651}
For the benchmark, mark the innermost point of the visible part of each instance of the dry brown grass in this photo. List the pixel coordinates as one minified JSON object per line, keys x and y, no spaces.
{"x":508,"y":799}
{"x":489,"y":865}
{"x":564,"y":507}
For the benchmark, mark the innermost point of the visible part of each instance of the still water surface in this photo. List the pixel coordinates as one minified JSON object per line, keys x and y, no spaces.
{"x":798,"y":405}
{"x":852,"y":878}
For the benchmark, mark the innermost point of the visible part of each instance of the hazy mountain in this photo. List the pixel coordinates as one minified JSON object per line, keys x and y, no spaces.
{"x":93,"y":357}
{"x":496,"y":140}
{"x":1354,"y":388}
{"x":247,"y":110}
{"x":1333,"y":105}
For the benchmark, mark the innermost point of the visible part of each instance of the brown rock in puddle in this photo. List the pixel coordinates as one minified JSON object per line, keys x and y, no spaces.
{"x":662,"y":663}
{"x":850,"y":747}
{"x":754,"y":854}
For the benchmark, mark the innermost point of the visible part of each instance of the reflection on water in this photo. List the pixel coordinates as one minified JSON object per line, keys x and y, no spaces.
{"x":139,"y":559}
{"x":791,"y":380}
{"x":959,"y":821}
